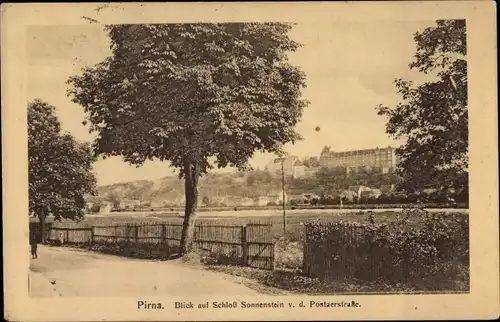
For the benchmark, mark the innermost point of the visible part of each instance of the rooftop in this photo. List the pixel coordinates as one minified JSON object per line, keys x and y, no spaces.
{"x":326,"y":150}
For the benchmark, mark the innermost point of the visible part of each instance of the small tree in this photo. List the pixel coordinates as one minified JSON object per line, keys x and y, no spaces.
{"x":114,"y":199}
{"x":192,"y":93}
{"x":60,"y":168}
{"x":206,"y":201}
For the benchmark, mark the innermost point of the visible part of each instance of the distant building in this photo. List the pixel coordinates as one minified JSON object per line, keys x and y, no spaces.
{"x":383,"y":158}
{"x":373,"y":193}
{"x":127,"y":203}
{"x":288,"y":163}
{"x":302,"y":171}
{"x":359,"y":190}
{"x":362,"y":191}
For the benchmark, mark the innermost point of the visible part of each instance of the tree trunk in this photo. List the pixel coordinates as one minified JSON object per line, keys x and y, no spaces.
{"x":191,"y":174}
{"x":43,"y":226}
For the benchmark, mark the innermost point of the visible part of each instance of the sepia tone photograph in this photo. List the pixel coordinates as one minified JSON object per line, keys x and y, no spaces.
{"x":252,"y":160}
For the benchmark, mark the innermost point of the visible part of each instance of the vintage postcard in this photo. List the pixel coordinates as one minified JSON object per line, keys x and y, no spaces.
{"x":250,"y":161}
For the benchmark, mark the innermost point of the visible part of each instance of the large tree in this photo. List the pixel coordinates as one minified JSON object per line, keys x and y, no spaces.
{"x":196,"y":95}
{"x":60,"y":168}
{"x":433,"y":116}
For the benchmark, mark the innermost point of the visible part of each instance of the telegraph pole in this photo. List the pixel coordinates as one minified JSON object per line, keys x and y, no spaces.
{"x":283,"y":187}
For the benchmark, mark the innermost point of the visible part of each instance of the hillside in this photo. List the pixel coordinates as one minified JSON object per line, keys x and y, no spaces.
{"x":171,"y":189}
{"x":217,"y":186}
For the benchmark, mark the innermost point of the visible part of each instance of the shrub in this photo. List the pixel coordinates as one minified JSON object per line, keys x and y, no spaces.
{"x":394,"y":251}
{"x":141,"y":250}
{"x":329,"y":200}
{"x":288,"y":254}
{"x":95,"y":207}
{"x":314,"y":201}
{"x":412,"y":198}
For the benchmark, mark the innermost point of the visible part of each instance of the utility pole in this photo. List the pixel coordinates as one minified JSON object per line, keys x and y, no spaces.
{"x":283,"y":187}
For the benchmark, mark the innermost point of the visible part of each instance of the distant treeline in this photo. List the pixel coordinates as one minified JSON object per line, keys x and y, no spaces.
{"x":326,"y":182}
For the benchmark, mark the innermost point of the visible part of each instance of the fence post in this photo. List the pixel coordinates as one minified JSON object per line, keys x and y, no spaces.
{"x":47,"y":231}
{"x":136,"y":233}
{"x":244,"y":244}
{"x":304,"y":249}
{"x":163,"y":235}
{"x":67,"y":235}
{"x":92,"y":233}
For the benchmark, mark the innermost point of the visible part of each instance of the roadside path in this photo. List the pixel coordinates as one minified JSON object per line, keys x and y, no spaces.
{"x":60,"y":271}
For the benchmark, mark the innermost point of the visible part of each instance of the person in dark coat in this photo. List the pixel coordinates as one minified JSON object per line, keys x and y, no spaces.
{"x":34,"y":245}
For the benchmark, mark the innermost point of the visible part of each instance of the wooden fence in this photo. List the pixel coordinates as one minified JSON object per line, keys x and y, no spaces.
{"x":71,"y":233}
{"x":247,"y":245}
{"x":335,"y":250}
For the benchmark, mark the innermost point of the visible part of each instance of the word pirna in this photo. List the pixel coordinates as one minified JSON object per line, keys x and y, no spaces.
{"x":149,"y":306}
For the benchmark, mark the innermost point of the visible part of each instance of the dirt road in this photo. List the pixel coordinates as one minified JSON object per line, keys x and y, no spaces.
{"x":69,"y":272}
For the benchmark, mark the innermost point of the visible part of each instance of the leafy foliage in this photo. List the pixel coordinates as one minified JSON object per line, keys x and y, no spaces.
{"x":433,"y":117}
{"x":60,"y":168}
{"x":333,"y":180}
{"x":114,"y":198}
{"x":192,"y":93}
{"x":395,"y":250}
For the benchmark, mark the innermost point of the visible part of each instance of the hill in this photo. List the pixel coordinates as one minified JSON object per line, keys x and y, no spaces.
{"x":213,"y":185}
{"x":218,"y":187}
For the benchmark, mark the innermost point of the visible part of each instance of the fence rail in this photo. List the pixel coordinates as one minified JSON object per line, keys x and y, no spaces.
{"x":247,"y":245}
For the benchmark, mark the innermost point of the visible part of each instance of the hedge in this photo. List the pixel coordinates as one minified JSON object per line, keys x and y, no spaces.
{"x":432,"y":256}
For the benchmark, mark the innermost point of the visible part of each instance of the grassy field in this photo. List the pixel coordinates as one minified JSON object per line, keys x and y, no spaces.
{"x":294,"y":221}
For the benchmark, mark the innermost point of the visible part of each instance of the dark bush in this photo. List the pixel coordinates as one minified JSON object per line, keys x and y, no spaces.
{"x":412,"y":198}
{"x":314,"y":201}
{"x":429,"y":256}
{"x":329,"y":200}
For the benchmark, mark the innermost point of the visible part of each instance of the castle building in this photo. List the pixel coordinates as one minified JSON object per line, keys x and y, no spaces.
{"x":383,"y":158}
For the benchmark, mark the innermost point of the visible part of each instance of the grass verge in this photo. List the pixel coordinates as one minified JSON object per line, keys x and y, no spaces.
{"x":292,"y":281}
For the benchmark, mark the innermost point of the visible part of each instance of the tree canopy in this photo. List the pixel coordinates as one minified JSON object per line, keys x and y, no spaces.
{"x":192,"y":93}
{"x":60,"y":168}
{"x":433,"y":116}
{"x":114,"y":198}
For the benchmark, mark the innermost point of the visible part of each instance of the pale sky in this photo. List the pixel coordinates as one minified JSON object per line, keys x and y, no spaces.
{"x":350,"y":69}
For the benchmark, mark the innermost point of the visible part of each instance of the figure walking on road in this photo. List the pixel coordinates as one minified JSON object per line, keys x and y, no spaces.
{"x":34,"y":245}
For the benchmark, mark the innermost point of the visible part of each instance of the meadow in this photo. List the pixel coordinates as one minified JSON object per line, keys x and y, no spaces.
{"x":294,"y":220}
